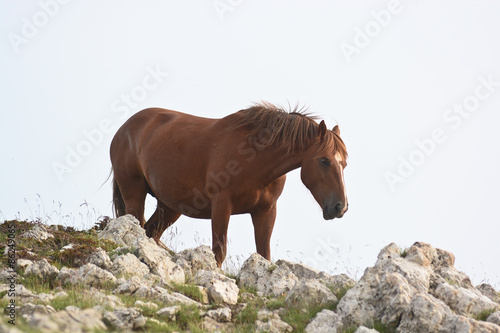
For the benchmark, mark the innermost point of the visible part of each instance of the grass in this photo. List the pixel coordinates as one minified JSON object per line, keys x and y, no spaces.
{"x":271,"y":268}
{"x":122,"y":250}
{"x":190,"y":290}
{"x":483,"y":315}
{"x":74,"y":298}
{"x":248,"y":315}
{"x":299,"y":318}
{"x":248,"y":290}
{"x":36,"y":284}
{"x":382,"y":328}
{"x":276,"y":303}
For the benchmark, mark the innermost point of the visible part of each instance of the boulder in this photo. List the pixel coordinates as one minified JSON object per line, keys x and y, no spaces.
{"x":128,"y":265}
{"x":68,"y":275}
{"x":308,"y":293}
{"x":125,"y":319}
{"x":142,"y":304}
{"x":418,"y":292}
{"x":42,"y":269}
{"x":254,"y":269}
{"x":268,"y":279}
{"x":464,"y":301}
{"x":425,"y":313}
{"x":28,"y":310}
{"x":494,"y":318}
{"x":68,"y":321}
{"x":490,"y":292}
{"x":109,"y":301}
{"x":325,"y":321}
{"x":302,"y":271}
{"x":277,"y":279}
{"x":270,"y":321}
{"x":169,"y":312}
{"x":195,"y":259}
{"x":124,"y":231}
{"x":211,"y":325}
{"x":23,"y":263}
{"x":130,"y":286}
{"x":221,"y":315}
{"x":385,"y":290}
{"x":158,"y":260}
{"x":220,"y":288}
{"x":177,"y":298}
{"x":38,"y":232}
{"x":101,"y":259}
{"x":91,"y":275}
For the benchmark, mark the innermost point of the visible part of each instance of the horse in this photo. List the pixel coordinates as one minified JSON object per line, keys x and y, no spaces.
{"x":213,"y":168}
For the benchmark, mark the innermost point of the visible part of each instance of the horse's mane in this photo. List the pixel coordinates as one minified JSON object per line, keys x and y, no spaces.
{"x":291,"y":130}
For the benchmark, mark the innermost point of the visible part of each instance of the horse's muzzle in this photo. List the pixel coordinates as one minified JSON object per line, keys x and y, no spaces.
{"x":336,"y":210}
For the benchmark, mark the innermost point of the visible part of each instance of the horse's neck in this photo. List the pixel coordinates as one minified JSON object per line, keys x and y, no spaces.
{"x":280,"y":163}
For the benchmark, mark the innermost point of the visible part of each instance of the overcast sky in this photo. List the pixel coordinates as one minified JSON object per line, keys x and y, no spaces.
{"x":414,"y":86}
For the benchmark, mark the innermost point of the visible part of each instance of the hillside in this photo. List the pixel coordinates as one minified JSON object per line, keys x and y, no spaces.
{"x":56,"y":279}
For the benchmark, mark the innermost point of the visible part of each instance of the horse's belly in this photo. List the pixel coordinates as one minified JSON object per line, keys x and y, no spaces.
{"x":199,"y":204}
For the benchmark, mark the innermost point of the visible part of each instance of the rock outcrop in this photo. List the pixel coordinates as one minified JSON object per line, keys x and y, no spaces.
{"x":421,"y":292}
{"x":140,"y":286}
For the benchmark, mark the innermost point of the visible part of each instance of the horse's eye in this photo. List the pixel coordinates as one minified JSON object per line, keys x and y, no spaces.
{"x":324,"y":161}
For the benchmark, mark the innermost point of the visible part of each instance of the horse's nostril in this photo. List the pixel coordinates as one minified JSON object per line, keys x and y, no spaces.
{"x":338,"y":207}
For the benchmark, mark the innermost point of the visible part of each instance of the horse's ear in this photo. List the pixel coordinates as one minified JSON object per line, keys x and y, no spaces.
{"x":336,"y":130}
{"x":322,"y":130}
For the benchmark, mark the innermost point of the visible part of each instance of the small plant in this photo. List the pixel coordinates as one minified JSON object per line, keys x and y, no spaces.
{"x":452,"y":282}
{"x":350,"y":329}
{"x":248,"y":315}
{"x":483,"y":315}
{"x":382,"y":328}
{"x":299,"y":318}
{"x":249,"y":290}
{"x":272,"y":268}
{"x":122,"y":250}
{"x":189,"y":318}
{"x":190,"y":290}
{"x":340,"y":292}
{"x":75,"y":297}
{"x":276,"y":303}
{"x":36,"y":284}
{"x":404,"y":253}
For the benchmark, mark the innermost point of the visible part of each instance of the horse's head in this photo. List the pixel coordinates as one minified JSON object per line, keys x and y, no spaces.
{"x":323,"y":174}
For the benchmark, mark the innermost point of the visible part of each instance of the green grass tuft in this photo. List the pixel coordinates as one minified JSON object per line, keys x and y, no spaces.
{"x":299,"y":318}
{"x":483,"y":315}
{"x":276,"y":303}
{"x":190,"y":290}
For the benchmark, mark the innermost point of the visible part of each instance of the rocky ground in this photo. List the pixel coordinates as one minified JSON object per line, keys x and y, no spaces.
{"x":119,"y":280}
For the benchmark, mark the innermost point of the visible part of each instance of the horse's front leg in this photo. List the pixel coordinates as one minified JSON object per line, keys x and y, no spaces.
{"x":221,"y":213}
{"x":263,"y":224}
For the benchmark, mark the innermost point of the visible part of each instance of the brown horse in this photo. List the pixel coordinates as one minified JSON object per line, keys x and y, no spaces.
{"x":214,"y":168}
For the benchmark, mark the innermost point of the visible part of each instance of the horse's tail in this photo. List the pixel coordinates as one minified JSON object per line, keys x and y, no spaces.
{"x":118,"y":203}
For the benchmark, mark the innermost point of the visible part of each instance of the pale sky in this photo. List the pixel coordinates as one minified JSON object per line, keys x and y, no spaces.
{"x":414,"y":86}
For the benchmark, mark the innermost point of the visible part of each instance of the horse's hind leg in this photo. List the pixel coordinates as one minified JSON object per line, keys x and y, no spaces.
{"x":162,"y":218}
{"x":134,"y":192}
